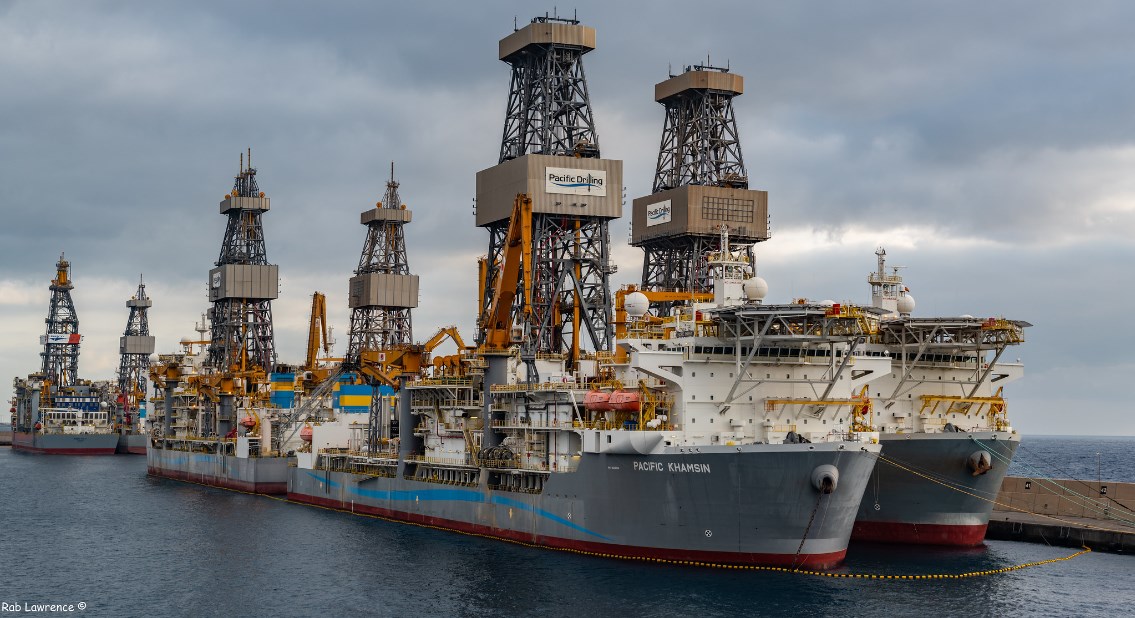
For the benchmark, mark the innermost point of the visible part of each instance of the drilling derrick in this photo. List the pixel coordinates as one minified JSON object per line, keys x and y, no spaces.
{"x":135,"y":347}
{"x":550,"y":154}
{"x":700,"y":184}
{"x":381,"y":296}
{"x":383,"y":291}
{"x":243,"y":284}
{"x":61,"y":343}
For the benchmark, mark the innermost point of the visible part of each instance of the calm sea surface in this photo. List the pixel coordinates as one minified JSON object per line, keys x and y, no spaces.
{"x":1076,"y":457}
{"x":97,"y":530}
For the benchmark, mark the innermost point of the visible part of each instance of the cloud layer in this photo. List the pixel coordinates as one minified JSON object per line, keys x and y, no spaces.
{"x":987,"y":147}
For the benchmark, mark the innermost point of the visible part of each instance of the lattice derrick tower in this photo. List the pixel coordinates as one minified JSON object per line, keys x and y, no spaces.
{"x":700,"y":143}
{"x":382,"y":292}
{"x":243,"y":284}
{"x":135,"y":348}
{"x":61,"y":344}
{"x":549,"y":110}
{"x":700,"y":183}
{"x":549,"y":115}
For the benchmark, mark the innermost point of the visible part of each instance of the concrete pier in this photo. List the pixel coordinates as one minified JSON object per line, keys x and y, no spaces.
{"x":1066,"y":512}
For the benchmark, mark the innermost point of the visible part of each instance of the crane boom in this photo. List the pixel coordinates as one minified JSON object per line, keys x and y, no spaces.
{"x":317,"y":328}
{"x":496,"y":322}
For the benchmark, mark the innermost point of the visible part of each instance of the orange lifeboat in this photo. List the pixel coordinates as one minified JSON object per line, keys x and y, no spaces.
{"x":248,"y":422}
{"x":625,"y":401}
{"x":305,"y":433}
{"x":597,"y":401}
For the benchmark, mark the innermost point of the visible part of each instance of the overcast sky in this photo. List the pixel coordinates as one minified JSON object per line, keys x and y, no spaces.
{"x":989,"y":147}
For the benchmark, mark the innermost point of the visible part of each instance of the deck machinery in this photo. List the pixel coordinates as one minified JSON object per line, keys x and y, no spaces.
{"x":700,"y":184}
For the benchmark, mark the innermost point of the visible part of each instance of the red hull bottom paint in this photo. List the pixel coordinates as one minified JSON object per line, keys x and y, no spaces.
{"x":216,"y":481}
{"x":26,"y":442}
{"x":809,"y":561}
{"x":136,"y":450}
{"x":918,"y":534}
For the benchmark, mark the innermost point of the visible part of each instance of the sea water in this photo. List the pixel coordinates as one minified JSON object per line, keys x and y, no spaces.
{"x":97,"y":531}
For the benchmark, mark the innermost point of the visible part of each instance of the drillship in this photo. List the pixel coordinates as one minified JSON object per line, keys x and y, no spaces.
{"x":946,"y":437}
{"x":217,"y":416}
{"x":703,"y":436}
{"x":56,"y":412}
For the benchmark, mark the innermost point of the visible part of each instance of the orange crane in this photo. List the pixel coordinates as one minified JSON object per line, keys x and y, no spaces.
{"x":317,"y":331}
{"x":496,"y":321}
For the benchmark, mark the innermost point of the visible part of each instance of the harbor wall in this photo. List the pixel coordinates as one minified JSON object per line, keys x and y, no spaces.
{"x":1065,"y":497}
{"x":1061,"y":512}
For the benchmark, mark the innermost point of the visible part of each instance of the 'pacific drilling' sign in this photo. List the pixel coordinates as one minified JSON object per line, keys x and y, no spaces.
{"x":658,"y":212}
{"x":575,"y":182}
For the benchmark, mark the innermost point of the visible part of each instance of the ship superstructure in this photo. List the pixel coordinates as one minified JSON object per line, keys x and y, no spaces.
{"x":55,"y":411}
{"x":947,"y":440}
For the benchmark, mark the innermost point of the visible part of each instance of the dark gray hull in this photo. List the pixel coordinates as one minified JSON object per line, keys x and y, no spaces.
{"x":923,"y":492}
{"x":262,"y":475}
{"x":65,"y":444}
{"x":720,"y":505}
{"x":132,"y":444}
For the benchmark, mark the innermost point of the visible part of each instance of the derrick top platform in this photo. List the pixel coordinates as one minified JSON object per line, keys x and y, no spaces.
{"x":698,"y":79}
{"x":544,"y":31}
